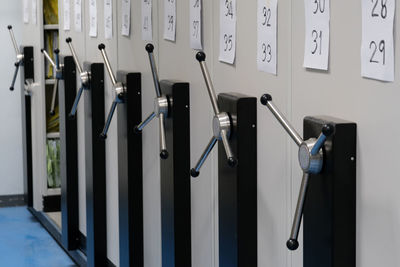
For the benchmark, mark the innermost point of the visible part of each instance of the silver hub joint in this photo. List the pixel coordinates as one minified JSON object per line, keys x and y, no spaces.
{"x":221,"y":122}
{"x":119,"y":89}
{"x":161,"y":106}
{"x":85,"y":78}
{"x":310,"y":163}
{"x":20,"y":57}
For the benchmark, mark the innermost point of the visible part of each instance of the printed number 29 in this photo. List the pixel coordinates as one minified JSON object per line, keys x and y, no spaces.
{"x":375,"y":48}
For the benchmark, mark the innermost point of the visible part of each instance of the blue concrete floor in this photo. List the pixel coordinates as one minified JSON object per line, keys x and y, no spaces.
{"x":24,"y":242}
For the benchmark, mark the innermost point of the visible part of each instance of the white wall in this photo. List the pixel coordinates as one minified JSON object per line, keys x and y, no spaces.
{"x":298,"y":92}
{"x":11,"y":170}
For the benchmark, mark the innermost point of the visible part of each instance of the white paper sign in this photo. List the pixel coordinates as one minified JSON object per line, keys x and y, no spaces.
{"x":147,"y":26}
{"x":267,"y":34}
{"x":67,"y":15}
{"x":78,"y":15}
{"x":377,"y":48}
{"x":169,"y":20}
{"x":93,"y":18}
{"x":316,"y":53}
{"x":195,"y":24}
{"x":227,"y":31}
{"x":108,"y":20}
{"x":125,"y":17}
{"x":25,"y":10}
{"x":34,"y":12}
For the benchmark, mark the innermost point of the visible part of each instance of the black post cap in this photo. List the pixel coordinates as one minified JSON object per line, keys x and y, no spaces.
{"x":57,"y":51}
{"x":11,"y":88}
{"x":265,"y":99}
{"x":201,"y":56}
{"x":42,"y":50}
{"x":292,"y":244}
{"x":52,"y":113}
{"x":194,"y":173}
{"x":68,"y":40}
{"x":9,"y":27}
{"x":149,"y":48}
{"x":102,"y":46}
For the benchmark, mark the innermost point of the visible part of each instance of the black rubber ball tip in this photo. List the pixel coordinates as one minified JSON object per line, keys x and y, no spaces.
{"x":11,"y":88}
{"x":164,"y":154}
{"x":102,"y":46}
{"x":265,"y":99}
{"x":57,"y":51}
{"x":149,"y":48}
{"x":68,"y":40}
{"x":201,"y":56}
{"x":41,"y":50}
{"x":136,"y":130}
{"x":9,"y":27}
{"x":71,"y":116}
{"x":328,"y":129}
{"x":194,"y":173}
{"x":232,"y":162}
{"x":103,"y":136}
{"x":52,"y":113}
{"x":292,"y":244}
{"x":16,"y":64}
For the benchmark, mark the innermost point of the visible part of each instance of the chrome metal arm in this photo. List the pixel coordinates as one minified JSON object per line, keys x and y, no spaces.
{"x":161,"y":106}
{"x":84,"y":77}
{"x":150,"y":50}
{"x":74,"y":56}
{"x":196,"y":170}
{"x":222,"y":125}
{"x":47,"y":56}
{"x":19,"y":56}
{"x":293,"y":242}
{"x":201,"y":57}
{"x":14,"y":76}
{"x":118,"y":87}
{"x":72,"y":114}
{"x":57,"y":74}
{"x":267,"y":101}
{"x":17,"y":51}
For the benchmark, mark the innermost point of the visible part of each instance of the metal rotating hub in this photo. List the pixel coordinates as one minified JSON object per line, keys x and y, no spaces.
{"x":85,"y":78}
{"x":119,"y":90}
{"x":161,"y":106}
{"x":221,"y":122}
{"x":310,"y":163}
